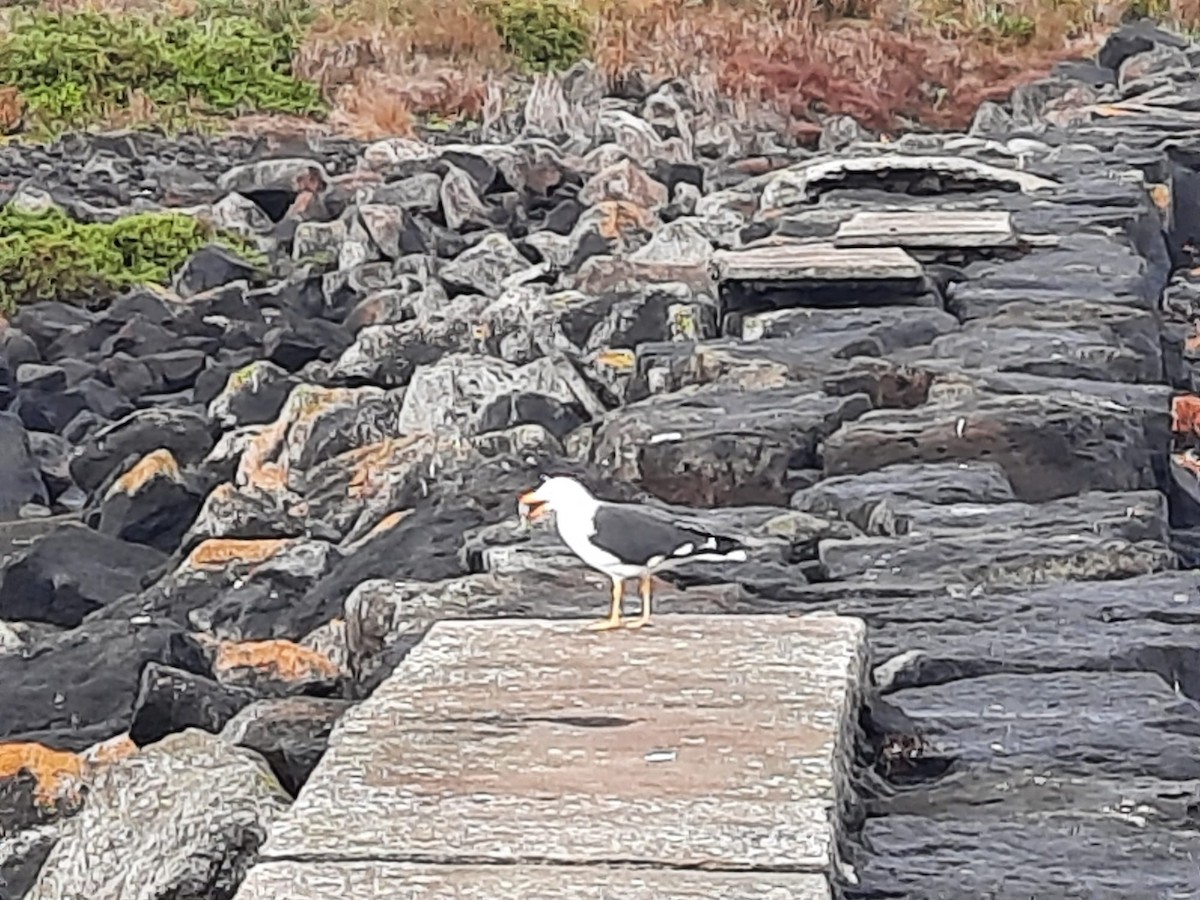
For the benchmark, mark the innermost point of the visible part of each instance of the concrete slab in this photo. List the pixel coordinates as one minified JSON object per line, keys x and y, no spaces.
{"x":714,"y":742}
{"x":927,"y":229}
{"x":407,"y":881}
{"x":795,"y":263}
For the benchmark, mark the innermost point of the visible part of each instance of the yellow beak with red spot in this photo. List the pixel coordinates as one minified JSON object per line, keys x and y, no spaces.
{"x":533,"y":507}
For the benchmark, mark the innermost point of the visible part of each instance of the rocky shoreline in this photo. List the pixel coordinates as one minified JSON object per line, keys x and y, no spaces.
{"x":964,"y":410}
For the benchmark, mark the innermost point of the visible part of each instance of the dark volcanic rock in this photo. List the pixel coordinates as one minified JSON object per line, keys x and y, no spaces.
{"x":1092,"y":536}
{"x":20,"y":480}
{"x":170,"y":700}
{"x":151,"y":504}
{"x":1049,"y":446}
{"x":713,"y":446}
{"x":184,"y":433}
{"x":291,"y":734}
{"x":70,"y":572}
{"x":73,"y":689}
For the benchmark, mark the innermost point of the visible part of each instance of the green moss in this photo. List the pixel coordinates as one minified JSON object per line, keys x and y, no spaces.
{"x":543,"y":35}
{"x":47,"y":255}
{"x":74,"y":69}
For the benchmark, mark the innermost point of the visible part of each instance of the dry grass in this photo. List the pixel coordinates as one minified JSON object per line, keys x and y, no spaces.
{"x":386,"y":64}
{"x":888,"y":63}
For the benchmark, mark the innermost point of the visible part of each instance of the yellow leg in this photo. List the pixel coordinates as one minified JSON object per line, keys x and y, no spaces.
{"x":644,"y":618}
{"x":614,"y":612}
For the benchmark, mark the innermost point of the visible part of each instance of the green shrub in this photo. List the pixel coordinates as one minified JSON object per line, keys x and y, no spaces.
{"x":47,"y":255}
{"x":543,"y":35}
{"x":73,"y":69}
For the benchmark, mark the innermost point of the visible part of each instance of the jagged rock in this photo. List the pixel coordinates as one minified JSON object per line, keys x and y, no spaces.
{"x":1049,"y":446}
{"x":170,"y":700}
{"x":623,"y":181}
{"x":290,"y":733}
{"x":709,"y":446}
{"x":151,"y":504}
{"x":460,"y":203}
{"x":183,"y":817}
{"x":467,"y":395}
{"x":70,"y":572}
{"x":253,"y":395}
{"x":484,"y":267}
{"x":186,"y":434}
{"x":75,"y":688}
{"x":210,"y":267}
{"x":20,"y":480}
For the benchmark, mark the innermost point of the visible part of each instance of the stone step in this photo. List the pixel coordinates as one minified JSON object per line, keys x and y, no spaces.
{"x":522,"y":757}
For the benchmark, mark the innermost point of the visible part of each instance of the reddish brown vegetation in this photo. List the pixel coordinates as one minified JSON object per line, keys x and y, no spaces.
{"x":386,"y":64}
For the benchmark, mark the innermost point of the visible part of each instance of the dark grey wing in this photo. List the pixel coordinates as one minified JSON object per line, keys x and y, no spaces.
{"x":636,"y":535}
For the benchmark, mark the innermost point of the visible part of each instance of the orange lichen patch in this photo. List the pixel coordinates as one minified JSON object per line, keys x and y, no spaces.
{"x":160,"y":463}
{"x":369,"y":463}
{"x":1160,"y":194}
{"x":264,"y":463}
{"x":108,"y":752}
{"x":619,"y":216}
{"x":387,"y":523}
{"x":216,"y":553}
{"x":57,"y":772}
{"x":257,"y":466}
{"x":280,"y":658}
{"x":1185,"y":414}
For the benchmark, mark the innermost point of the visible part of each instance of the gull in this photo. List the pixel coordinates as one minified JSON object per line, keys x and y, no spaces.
{"x":624,"y":540}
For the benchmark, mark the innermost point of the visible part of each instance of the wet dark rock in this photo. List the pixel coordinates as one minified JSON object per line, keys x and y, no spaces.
{"x":690,"y":447}
{"x":75,"y":688}
{"x":1049,"y":446}
{"x":20,"y":479}
{"x":173,"y":370}
{"x":184,"y":433}
{"x":295,"y":344}
{"x":212,"y":267}
{"x":290,"y":733}
{"x":170,"y":700}
{"x":153,"y":506}
{"x":70,"y":572}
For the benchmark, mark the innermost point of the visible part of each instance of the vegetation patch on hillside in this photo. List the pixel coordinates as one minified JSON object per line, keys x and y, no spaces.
{"x":47,"y":255}
{"x":79,"y":68}
{"x":371,"y":68}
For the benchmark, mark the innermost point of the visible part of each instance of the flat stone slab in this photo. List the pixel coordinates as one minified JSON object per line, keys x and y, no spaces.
{"x":376,"y":880}
{"x":927,"y":229}
{"x":796,"y":263}
{"x":706,"y":741}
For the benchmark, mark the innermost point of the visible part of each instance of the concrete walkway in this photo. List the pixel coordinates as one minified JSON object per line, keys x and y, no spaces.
{"x":527,"y":758}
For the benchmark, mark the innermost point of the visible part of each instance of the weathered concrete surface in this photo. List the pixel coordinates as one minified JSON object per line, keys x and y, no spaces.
{"x":289,"y":881}
{"x":715,"y":742}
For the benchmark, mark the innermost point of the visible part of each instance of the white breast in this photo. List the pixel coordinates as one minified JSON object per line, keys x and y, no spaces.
{"x":575,"y":533}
